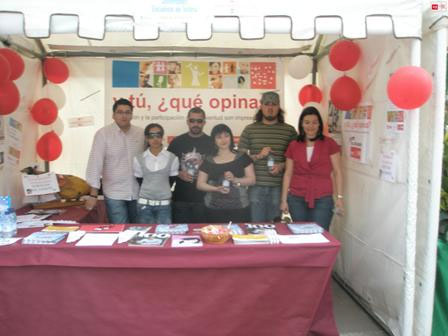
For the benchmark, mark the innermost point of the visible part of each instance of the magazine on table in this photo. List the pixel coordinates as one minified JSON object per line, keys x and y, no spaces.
{"x":44,"y":238}
{"x":258,"y":228}
{"x":102,"y":228}
{"x":60,"y":228}
{"x":305,"y":228}
{"x":149,"y":239}
{"x":249,"y":239}
{"x":172,"y":228}
{"x":186,"y":241}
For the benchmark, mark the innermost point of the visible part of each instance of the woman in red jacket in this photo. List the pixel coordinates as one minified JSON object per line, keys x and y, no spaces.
{"x":311,"y":161}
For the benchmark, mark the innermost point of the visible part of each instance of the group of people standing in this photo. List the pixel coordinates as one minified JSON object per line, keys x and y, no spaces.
{"x":274,"y":169}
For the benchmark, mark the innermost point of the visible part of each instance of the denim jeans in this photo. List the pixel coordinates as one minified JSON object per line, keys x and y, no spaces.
{"x":153,"y":214}
{"x":121,"y":211}
{"x":321,"y":213}
{"x":264,"y":203}
{"x":189,"y":212}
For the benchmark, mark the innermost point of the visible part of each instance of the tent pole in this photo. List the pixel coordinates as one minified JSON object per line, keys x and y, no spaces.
{"x":430,"y":254}
{"x":411,"y":218}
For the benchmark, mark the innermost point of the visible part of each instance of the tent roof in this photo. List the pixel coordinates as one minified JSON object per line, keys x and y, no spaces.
{"x":132,"y":26}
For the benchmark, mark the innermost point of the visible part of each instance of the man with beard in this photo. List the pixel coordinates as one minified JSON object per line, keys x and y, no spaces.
{"x":266,"y":141}
{"x":191,"y":148}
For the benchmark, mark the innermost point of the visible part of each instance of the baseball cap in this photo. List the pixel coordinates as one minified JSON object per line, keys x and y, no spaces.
{"x":270,"y":97}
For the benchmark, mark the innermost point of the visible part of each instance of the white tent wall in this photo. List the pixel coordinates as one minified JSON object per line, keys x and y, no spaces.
{"x":372,"y":257}
{"x":29,"y":85}
{"x":84,"y":92}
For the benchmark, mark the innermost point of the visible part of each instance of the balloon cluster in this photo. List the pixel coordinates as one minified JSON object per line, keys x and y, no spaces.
{"x":345,"y":92}
{"x":11,"y":68}
{"x":45,"y":110}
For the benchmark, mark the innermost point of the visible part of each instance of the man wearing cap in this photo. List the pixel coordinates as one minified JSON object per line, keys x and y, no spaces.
{"x":266,"y":141}
{"x":191,"y":148}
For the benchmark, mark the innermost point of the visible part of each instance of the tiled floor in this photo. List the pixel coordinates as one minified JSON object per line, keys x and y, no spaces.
{"x":351,"y":319}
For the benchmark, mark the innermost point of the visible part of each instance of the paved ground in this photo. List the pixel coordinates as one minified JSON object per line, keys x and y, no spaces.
{"x":351,"y":319}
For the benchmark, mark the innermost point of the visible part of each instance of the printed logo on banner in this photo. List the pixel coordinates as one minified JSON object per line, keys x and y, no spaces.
{"x":439,"y":5}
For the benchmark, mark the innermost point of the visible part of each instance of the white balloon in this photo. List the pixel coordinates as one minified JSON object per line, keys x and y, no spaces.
{"x":55,"y":93}
{"x":300,"y":66}
{"x":57,"y":126}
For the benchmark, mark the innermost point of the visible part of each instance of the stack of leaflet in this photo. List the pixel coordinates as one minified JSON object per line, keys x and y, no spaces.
{"x":250,"y":239}
{"x":172,"y":228}
{"x":305,"y":228}
{"x":149,"y":239}
{"x":44,"y":238}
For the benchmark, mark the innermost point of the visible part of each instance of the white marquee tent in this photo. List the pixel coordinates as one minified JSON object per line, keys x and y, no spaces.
{"x":389,"y":232}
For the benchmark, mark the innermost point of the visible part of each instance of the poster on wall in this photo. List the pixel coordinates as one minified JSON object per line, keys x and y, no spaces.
{"x":163,"y":90}
{"x":388,"y":166}
{"x":395,"y":123}
{"x":356,"y":128}
{"x":2,"y":130}
{"x":14,"y":132}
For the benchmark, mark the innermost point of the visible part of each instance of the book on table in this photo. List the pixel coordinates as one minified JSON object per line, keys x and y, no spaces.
{"x":102,"y":228}
{"x":258,"y":229}
{"x":149,"y":239}
{"x":250,"y":239}
{"x":305,"y":228}
{"x":44,"y":238}
{"x":60,"y":228}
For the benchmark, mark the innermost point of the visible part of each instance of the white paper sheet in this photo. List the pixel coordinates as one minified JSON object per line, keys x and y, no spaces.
{"x":303,"y":239}
{"x":98,"y":239}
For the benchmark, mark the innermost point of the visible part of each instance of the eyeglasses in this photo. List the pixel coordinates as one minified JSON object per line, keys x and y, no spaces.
{"x":193,"y":120}
{"x":152,"y":135}
{"x":127,"y":113}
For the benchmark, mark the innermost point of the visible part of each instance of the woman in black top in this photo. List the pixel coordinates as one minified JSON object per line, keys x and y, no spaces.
{"x":224,"y":177}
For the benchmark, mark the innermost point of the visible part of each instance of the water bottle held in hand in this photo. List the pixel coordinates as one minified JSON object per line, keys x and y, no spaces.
{"x":8,"y":223}
{"x":270,"y":162}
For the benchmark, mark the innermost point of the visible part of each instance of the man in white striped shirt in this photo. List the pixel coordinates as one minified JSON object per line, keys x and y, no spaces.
{"x":111,"y":158}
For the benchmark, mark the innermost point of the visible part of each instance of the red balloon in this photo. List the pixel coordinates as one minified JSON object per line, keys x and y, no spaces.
{"x":5,"y":69}
{"x":55,"y":70}
{"x":15,"y":62}
{"x":49,"y":146}
{"x":409,"y":87}
{"x":310,"y":93}
{"x":9,"y":97}
{"x":345,"y":93}
{"x":344,"y":55}
{"x":44,"y":111}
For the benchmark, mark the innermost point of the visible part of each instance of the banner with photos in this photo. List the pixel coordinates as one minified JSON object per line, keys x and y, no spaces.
{"x":163,"y":90}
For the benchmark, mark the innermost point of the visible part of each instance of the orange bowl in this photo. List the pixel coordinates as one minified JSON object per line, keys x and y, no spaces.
{"x":214,"y":235}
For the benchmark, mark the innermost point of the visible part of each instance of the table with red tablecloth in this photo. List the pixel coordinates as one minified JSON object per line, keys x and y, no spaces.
{"x":76,"y":213}
{"x":247,"y":290}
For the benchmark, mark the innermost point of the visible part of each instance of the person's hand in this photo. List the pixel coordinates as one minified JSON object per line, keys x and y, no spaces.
{"x":276,"y":169}
{"x":90,"y":202}
{"x":264,"y":152}
{"x":339,"y":207}
{"x":228,"y":175}
{"x":183,"y":175}
{"x":284,"y":206}
{"x":222,"y":190}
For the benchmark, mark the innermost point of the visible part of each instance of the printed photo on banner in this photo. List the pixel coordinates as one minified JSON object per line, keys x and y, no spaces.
{"x":164,"y":90}
{"x":194,"y":74}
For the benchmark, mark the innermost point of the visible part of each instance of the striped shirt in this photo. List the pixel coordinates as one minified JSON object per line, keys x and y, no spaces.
{"x":111,"y":158}
{"x":258,"y":135}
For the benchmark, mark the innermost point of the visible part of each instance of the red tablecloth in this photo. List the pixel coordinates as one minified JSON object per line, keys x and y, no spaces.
{"x":77,"y":213}
{"x":257,"y":290}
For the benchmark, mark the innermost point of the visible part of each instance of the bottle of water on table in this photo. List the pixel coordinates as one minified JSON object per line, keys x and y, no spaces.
{"x":8,"y":223}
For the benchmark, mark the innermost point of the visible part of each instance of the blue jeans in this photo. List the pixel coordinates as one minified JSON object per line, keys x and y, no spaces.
{"x":153,"y":214}
{"x":121,"y":211}
{"x":264,"y":203}
{"x":321,"y":213}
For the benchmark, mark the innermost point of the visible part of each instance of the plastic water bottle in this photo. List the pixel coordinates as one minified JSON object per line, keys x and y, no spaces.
{"x":226,"y":184}
{"x":8,"y":223}
{"x":270,"y":162}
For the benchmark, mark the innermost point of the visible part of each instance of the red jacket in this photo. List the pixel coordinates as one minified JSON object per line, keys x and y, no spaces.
{"x":312,"y":180}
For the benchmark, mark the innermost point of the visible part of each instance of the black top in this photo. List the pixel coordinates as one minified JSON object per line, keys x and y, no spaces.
{"x":191,"y":152}
{"x":237,"y":197}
